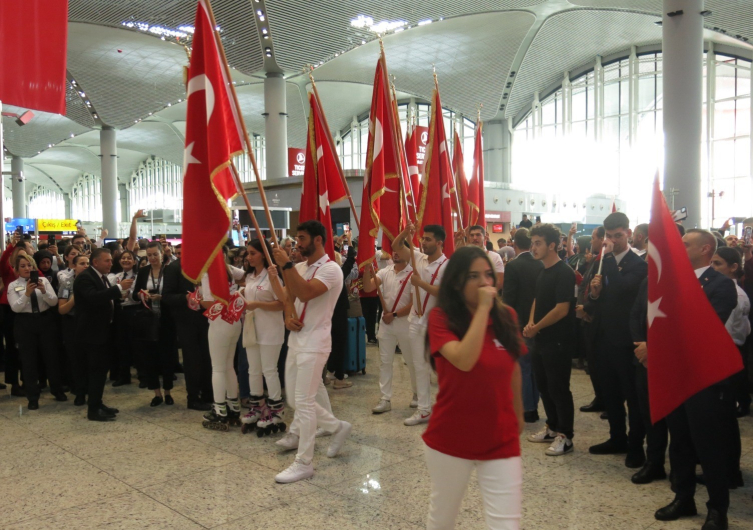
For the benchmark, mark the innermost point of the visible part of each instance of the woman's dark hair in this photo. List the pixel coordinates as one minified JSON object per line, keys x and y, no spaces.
{"x":71,"y":248}
{"x":256,"y":244}
{"x":78,"y":258}
{"x":133,"y":257}
{"x":452,"y":302}
{"x":154,"y":244}
{"x":731,"y":256}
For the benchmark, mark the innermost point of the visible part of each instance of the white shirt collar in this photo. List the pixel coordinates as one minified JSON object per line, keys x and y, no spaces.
{"x":321,"y":261}
{"x":618,"y":257}
{"x":699,"y":272}
{"x":639,"y":252}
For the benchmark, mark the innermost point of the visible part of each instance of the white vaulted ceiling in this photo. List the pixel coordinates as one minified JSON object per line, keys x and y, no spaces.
{"x":492,"y":52}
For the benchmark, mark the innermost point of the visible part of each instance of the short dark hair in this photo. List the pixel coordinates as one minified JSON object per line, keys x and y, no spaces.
{"x":476,"y":227}
{"x":708,"y":237}
{"x":78,"y":236}
{"x":313,"y":228}
{"x":43,"y":246}
{"x":154,"y":244}
{"x":680,"y":229}
{"x":522,"y":240}
{"x":78,"y":257}
{"x":437,"y":231}
{"x":617,"y":220}
{"x":731,"y":256}
{"x":142,"y":244}
{"x":642,"y":228}
{"x":548,"y":231}
{"x":502,"y":239}
{"x":600,"y":232}
{"x":97,"y":252}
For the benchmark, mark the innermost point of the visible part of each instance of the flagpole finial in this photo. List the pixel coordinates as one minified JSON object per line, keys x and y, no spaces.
{"x":381,"y":43}
{"x":434,"y":69}
{"x":478,"y":112}
{"x":310,"y":70}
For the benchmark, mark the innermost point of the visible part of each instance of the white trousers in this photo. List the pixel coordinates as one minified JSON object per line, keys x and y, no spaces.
{"x":391,"y":335}
{"x":262,"y":359}
{"x":307,"y":395}
{"x":223,"y":338}
{"x":500,"y":481}
{"x":418,"y":358}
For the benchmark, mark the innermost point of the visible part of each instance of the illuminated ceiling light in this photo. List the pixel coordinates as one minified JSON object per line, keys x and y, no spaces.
{"x":94,"y":115}
{"x":49,"y":145}
{"x":363,"y":42}
{"x":82,"y":94}
{"x":180,"y":100}
{"x":441,"y":18}
{"x":72,"y":135}
{"x":266,"y":37}
{"x":264,"y":31}
{"x":169,"y":104}
{"x":362,"y":22}
{"x":73,"y":82}
{"x":150,"y":114}
{"x":424,"y":22}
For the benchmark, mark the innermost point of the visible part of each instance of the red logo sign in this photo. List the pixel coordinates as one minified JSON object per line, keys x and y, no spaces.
{"x":296,"y":161}
{"x":423,"y":140}
{"x":498,"y":228}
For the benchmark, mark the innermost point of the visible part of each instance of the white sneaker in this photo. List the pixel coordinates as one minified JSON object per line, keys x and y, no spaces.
{"x":560,"y":446}
{"x":417,"y":418}
{"x":338,"y":439}
{"x":297,"y":471}
{"x":288,"y":442}
{"x":383,"y":406}
{"x":321,"y":432}
{"x":414,"y":402}
{"x":544,"y":436}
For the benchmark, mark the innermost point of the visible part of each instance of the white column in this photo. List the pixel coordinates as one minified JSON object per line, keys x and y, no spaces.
{"x":682,"y":46}
{"x":496,"y":135}
{"x":275,"y":126}
{"x":633,"y":68}
{"x":598,"y":99}
{"x":18,"y":185}
{"x":67,"y":202}
{"x":709,"y":132}
{"x":109,"y":163}
{"x":567,"y":104}
{"x":536,"y":115}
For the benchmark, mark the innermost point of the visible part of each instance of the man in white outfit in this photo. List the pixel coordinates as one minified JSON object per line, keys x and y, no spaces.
{"x":394,"y":328}
{"x":315,"y":285}
{"x":477,"y":238}
{"x":427,"y":276}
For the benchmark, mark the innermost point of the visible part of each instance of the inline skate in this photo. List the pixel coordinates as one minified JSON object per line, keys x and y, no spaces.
{"x":272,"y":421}
{"x":216,"y":419}
{"x":258,"y":409}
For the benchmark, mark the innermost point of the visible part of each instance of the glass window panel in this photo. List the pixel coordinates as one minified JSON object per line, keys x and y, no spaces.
{"x":724,"y":119}
{"x":612,"y":99}
{"x":743,"y":80}
{"x":624,"y":97}
{"x":659,"y":92}
{"x":646,"y":93}
{"x":590,"y":101}
{"x":742,"y":116}
{"x":558,"y":107}
{"x":646,"y":64}
{"x":611,"y":133}
{"x":578,"y":129}
{"x":742,"y":157}
{"x":724,"y":159}
{"x":579,"y":105}
{"x":547,"y":113}
{"x":725,"y":81}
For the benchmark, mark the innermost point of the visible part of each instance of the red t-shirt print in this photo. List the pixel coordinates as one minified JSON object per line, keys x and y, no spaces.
{"x":479,"y":400}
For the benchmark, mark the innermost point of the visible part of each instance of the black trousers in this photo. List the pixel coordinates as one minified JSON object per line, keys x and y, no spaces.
{"x":125,"y":347}
{"x":657,"y":435}
{"x":339,"y":334}
{"x":12,"y":360}
{"x":370,"y":306}
{"x":76,"y":359}
{"x":741,"y":386}
{"x":283,"y":358}
{"x":589,"y":350}
{"x":35,"y":339}
{"x":159,"y":359}
{"x":95,"y":359}
{"x":701,"y":431}
{"x":193,"y":328}
{"x":617,"y":374}
{"x":551,"y":369}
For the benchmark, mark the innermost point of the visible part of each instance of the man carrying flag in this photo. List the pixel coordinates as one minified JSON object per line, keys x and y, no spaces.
{"x":690,"y":359}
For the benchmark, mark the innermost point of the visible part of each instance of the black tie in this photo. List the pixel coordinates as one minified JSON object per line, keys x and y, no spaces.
{"x":107,"y":283}
{"x":34,"y":303}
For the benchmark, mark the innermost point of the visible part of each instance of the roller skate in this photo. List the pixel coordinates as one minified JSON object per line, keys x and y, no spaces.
{"x":233,"y":412}
{"x":272,"y":421}
{"x":258,"y":410}
{"x":216,"y":419}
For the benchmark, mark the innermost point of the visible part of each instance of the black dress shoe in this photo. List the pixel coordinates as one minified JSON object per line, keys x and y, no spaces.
{"x":3,"y":386}
{"x":715,"y":521}
{"x":676,"y":509}
{"x":199,"y":405}
{"x":594,"y":406}
{"x":648,"y":473}
{"x":169,"y":400}
{"x":608,"y":448}
{"x":109,"y":410}
{"x":60,"y":396}
{"x":100,"y":415}
{"x":122,"y":382}
{"x":604,"y":416}
{"x":156,"y":401}
{"x":531,"y":416}
{"x":743,"y":411}
{"x":33,"y":404}
{"x":635,"y":459}
{"x":179,"y":369}
{"x":80,"y":401}
{"x":18,"y":391}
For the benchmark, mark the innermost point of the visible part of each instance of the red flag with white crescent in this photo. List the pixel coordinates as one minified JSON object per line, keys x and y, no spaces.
{"x":458,"y":168}
{"x":477,"y":210}
{"x":213,"y":137}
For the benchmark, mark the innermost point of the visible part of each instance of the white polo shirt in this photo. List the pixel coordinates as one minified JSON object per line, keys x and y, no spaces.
{"x":392,"y":283}
{"x":269,"y":325}
{"x":499,"y":265}
{"x":317,"y":319}
{"x":432,"y":274}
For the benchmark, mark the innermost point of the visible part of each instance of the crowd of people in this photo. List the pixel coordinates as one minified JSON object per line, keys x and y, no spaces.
{"x":503,"y":328}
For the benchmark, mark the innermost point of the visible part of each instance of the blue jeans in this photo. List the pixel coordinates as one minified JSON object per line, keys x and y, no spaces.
{"x":244,"y":390}
{"x":530,"y":391}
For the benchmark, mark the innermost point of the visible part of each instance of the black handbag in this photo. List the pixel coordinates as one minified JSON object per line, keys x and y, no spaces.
{"x":146,"y":321}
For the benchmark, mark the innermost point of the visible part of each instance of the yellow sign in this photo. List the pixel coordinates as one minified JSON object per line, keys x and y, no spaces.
{"x":56,"y":225}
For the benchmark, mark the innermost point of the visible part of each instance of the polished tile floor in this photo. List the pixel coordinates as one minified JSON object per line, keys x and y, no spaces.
{"x":158,"y":468}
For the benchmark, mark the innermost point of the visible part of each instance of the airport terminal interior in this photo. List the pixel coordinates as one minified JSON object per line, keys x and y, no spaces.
{"x":582,"y":104}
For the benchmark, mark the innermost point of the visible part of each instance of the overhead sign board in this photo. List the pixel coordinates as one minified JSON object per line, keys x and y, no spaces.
{"x":56,"y":225}
{"x":296,"y":161}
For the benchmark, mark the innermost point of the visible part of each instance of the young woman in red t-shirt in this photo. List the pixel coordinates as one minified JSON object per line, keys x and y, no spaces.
{"x":475,"y":342}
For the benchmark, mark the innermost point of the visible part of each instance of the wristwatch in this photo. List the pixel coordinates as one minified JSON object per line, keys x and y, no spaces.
{"x":394,"y":315}
{"x":288,"y":265}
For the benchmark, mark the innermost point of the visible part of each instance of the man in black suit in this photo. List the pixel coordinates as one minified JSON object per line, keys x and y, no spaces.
{"x":519,"y":291}
{"x":192,"y":327}
{"x":97,"y":308}
{"x":609,"y":302}
{"x":702,"y":428}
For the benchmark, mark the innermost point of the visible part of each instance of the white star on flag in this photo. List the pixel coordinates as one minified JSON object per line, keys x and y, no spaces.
{"x":324,"y":202}
{"x":654,"y":311}
{"x":188,"y":158}
{"x":445,"y":192}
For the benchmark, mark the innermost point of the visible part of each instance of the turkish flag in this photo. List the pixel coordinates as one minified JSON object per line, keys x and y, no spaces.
{"x":414,"y":171}
{"x":462,"y":182}
{"x":476,"y":198}
{"x":437,"y":190}
{"x":33,"y":47}
{"x":213,"y":137}
{"x":322,"y":181}
{"x":689,"y":348}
